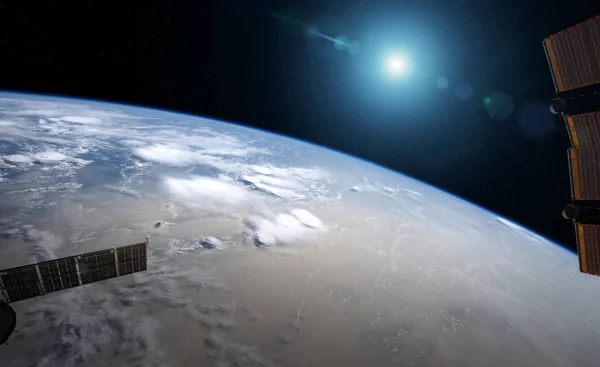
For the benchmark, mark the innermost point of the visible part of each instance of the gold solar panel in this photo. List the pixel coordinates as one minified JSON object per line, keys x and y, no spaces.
{"x":54,"y":275}
{"x":574,"y":55}
{"x":585,"y":172}
{"x":574,"y":59}
{"x":588,"y":241}
{"x":584,"y":129}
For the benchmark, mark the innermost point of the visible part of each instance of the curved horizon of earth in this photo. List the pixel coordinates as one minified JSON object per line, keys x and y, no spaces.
{"x":267,"y":251}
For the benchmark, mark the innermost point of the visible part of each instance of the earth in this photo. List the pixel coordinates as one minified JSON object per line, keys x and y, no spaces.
{"x":267,"y":251}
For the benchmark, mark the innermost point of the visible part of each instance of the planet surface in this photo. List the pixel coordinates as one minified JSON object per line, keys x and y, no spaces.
{"x":267,"y":251}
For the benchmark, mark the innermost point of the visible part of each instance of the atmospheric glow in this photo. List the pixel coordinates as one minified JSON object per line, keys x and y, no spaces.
{"x":397,"y":65}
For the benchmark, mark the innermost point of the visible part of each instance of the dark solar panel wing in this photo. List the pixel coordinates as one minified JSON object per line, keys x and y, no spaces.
{"x":574,"y":55}
{"x":97,"y":266}
{"x":20,"y":283}
{"x":29,"y":281}
{"x":59,"y":274}
{"x":588,"y":247}
{"x":132,"y":258}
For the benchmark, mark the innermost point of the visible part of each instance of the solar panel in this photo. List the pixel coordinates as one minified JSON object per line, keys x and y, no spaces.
{"x":574,"y":59}
{"x":59,"y":274}
{"x":585,"y":172}
{"x":588,"y":241}
{"x":574,"y":55}
{"x":21,"y":283}
{"x":97,"y":266}
{"x":584,"y":129}
{"x":131,"y":258}
{"x":54,"y":275}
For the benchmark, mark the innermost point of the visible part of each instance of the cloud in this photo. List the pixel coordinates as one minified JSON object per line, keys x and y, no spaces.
{"x":44,"y":243}
{"x":177,"y":156}
{"x":211,"y":242}
{"x":132,"y":142}
{"x":47,"y":157}
{"x":81,"y":119}
{"x":50,"y":157}
{"x":272,"y":181}
{"x":7,"y":123}
{"x":413,"y":194}
{"x":165,"y":154}
{"x":299,"y":226}
{"x":91,"y":128}
{"x":522,"y":231}
{"x":17,"y":159}
{"x":307,"y":218}
{"x":261,"y":170}
{"x":123,"y":190}
{"x":274,"y":186}
{"x":262,"y":227}
{"x":112,"y":319}
{"x":177,"y":246}
{"x":287,"y":183}
{"x":203,"y":188}
{"x":81,"y":328}
{"x":218,"y":195}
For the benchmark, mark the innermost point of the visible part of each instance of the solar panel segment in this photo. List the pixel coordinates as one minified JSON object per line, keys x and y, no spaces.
{"x":20,"y":283}
{"x":574,"y":55}
{"x":97,"y":266}
{"x":59,"y":274}
{"x":588,"y":241}
{"x":585,"y":172}
{"x":33,"y":280}
{"x":132,"y":258}
{"x":584,"y":129}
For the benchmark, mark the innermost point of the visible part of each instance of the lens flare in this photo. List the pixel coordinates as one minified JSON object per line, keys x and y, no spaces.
{"x":397,"y":65}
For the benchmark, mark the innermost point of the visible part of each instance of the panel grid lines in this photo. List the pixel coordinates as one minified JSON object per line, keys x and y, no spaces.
{"x":574,"y":55}
{"x":59,"y":274}
{"x":131,"y":258}
{"x":97,"y":266}
{"x":585,"y":172}
{"x":589,"y":248}
{"x":21,"y":283}
{"x":584,"y":129}
{"x":54,"y":275}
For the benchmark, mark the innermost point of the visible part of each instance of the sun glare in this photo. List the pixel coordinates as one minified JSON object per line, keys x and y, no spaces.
{"x":397,"y":65}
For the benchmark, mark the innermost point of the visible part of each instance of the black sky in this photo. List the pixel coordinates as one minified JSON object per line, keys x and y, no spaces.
{"x":233,"y":61}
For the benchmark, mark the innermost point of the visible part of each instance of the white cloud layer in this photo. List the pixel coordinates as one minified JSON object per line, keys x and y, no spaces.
{"x":262,"y":227}
{"x":17,"y":159}
{"x":81,"y":119}
{"x":165,"y":154}
{"x":299,"y":226}
{"x":214,"y":195}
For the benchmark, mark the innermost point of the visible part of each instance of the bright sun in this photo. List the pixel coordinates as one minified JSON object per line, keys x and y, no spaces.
{"x":397,"y":65}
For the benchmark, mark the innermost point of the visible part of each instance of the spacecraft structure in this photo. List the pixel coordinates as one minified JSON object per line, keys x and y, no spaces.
{"x":574,"y":59}
{"x":35,"y":280}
